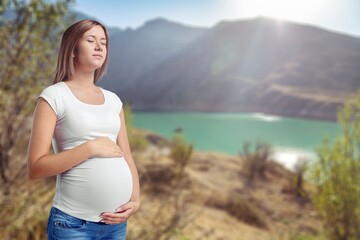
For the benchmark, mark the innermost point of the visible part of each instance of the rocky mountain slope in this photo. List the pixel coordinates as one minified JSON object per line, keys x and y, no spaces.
{"x":256,"y":65}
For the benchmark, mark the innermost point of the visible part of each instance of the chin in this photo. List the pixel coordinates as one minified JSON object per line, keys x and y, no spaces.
{"x":97,"y":66}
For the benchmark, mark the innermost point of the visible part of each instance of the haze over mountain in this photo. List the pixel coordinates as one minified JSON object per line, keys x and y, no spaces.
{"x":134,"y":53}
{"x":256,"y":65}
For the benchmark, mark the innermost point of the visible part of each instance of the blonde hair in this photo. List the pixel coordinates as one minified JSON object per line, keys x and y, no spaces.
{"x":68,"y":47}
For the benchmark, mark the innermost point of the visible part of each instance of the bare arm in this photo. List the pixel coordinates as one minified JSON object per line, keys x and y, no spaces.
{"x":43,"y":164}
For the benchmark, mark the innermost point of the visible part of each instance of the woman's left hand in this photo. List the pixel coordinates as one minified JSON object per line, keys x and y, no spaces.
{"x":122,"y":214}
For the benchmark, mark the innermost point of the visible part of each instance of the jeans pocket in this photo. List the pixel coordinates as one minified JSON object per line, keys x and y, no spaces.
{"x":63,"y":220}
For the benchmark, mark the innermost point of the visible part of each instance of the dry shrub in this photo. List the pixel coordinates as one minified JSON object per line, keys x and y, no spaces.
{"x":157,"y":178}
{"x":34,"y":229}
{"x":238,"y":207}
{"x":256,"y":161}
{"x":296,"y":185}
{"x":25,"y":216}
{"x":166,"y":185}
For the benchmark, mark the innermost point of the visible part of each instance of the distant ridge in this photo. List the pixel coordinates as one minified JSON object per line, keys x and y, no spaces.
{"x":254,"y":65}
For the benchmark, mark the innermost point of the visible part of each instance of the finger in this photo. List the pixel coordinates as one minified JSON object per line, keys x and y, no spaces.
{"x":113,"y":218}
{"x":124,"y":214}
{"x":121,"y":152}
{"x":114,"y":221}
{"x":113,"y":215}
{"x":124,"y":207}
{"x":117,"y":152}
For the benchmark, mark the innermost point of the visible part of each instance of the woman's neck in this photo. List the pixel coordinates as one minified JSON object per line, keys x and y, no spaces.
{"x":83,"y":79}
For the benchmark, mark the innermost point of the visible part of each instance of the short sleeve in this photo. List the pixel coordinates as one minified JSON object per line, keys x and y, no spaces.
{"x":120,"y":104}
{"x":117,"y":101}
{"x":52,"y":96}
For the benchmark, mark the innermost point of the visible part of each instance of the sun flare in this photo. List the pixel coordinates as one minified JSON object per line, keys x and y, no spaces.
{"x":279,"y":9}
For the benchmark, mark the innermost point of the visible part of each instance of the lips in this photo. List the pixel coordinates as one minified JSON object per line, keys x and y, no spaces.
{"x":97,"y":55}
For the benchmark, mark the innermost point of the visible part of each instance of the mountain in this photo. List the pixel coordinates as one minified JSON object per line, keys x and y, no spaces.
{"x":77,"y":16}
{"x":255,"y":65}
{"x":135,"y":53}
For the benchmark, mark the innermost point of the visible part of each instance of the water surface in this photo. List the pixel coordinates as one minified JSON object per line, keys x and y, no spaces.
{"x":227,"y":132}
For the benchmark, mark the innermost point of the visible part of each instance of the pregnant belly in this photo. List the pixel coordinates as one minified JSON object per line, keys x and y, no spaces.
{"x":95,"y":186}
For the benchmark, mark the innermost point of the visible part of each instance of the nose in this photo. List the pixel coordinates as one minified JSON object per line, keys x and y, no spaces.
{"x":98,"y":47}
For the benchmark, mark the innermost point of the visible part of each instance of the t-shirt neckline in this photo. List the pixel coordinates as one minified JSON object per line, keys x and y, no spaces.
{"x":78,"y":100}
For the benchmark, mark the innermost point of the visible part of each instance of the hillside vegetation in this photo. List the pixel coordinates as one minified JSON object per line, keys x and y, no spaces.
{"x":212,"y":199}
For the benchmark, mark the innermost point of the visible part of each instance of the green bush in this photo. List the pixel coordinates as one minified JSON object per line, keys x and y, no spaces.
{"x":337,"y":174}
{"x":137,"y":142}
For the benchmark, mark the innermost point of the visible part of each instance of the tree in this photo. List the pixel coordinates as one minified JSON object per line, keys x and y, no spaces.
{"x":29,"y":36}
{"x":337,"y":174}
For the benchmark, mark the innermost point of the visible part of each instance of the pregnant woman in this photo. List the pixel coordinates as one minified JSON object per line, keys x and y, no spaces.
{"x":97,"y":186}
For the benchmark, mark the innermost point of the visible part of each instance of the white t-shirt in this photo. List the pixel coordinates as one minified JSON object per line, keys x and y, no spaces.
{"x":96,"y":185}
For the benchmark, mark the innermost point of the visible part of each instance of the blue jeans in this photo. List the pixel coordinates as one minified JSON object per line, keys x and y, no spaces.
{"x":62,"y":226}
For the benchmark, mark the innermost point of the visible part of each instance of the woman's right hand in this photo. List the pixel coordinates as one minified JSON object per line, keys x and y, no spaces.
{"x":104,"y":147}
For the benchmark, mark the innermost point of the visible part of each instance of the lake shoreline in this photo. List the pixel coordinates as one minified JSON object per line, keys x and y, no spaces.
{"x":291,"y":139}
{"x":140,"y":110}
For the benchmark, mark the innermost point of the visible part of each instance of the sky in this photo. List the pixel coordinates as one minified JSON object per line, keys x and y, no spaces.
{"x":341,"y":16}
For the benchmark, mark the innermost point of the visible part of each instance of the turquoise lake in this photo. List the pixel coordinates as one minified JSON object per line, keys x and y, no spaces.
{"x":290,"y":138}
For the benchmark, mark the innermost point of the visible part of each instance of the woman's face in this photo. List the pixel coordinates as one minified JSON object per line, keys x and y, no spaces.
{"x":91,"y":50}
